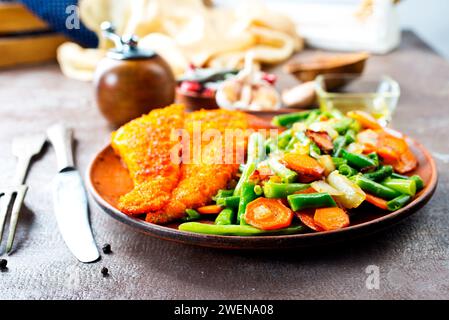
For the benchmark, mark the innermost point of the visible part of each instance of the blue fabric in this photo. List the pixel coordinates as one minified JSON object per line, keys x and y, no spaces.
{"x":54,"y":13}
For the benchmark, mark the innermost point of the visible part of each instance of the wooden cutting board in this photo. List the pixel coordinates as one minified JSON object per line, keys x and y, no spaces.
{"x":24,"y":38}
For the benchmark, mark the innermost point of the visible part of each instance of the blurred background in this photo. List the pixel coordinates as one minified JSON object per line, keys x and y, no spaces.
{"x":32,"y":30}
{"x":428,"y":18}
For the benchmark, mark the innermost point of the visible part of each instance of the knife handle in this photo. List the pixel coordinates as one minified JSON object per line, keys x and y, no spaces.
{"x":61,"y":138}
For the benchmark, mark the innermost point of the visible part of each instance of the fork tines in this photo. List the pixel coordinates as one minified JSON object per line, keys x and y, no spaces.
{"x":11,"y":198}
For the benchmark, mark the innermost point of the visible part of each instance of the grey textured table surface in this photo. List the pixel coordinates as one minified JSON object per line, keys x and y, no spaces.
{"x":413,"y":257}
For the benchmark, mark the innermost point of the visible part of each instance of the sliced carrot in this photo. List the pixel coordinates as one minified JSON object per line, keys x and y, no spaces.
{"x":378,"y":202}
{"x":331,"y":218}
{"x":406,"y":163}
{"x":306,"y":217}
{"x":367,"y":149}
{"x":212,"y":209}
{"x":365,"y":119}
{"x":389,"y":146}
{"x":395,"y":151}
{"x":268,"y":214}
{"x":307,"y":167}
{"x":389,"y":155}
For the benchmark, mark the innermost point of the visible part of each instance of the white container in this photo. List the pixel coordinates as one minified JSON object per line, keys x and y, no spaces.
{"x":338,"y":24}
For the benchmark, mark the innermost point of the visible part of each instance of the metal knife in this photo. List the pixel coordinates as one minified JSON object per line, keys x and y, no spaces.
{"x":69,"y":198}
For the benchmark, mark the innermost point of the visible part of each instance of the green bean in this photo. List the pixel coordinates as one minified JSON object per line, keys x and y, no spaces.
{"x":358,"y":161}
{"x":256,"y":153}
{"x":342,"y":125}
{"x":285,"y":134}
{"x":246,"y":197}
{"x":282,"y":171}
{"x":350,"y":137}
{"x":374,"y":188}
{"x":314,"y":150}
{"x":355,"y":126}
{"x":223,"y":193}
{"x":395,"y":175}
{"x":225,"y":217}
{"x":405,"y":186}
{"x":310,"y":200}
{"x":419,"y":182}
{"x":339,"y":161}
{"x":244,"y":177}
{"x":229,"y":202}
{"x":286,"y":120}
{"x":339,"y":144}
{"x":398,"y":202}
{"x":347,"y":170}
{"x":373,"y":156}
{"x":236,"y":230}
{"x":191,"y":215}
{"x":284,"y":138}
{"x":282,"y":190}
{"x":312,"y":117}
{"x":271,"y":146}
{"x":342,"y":141}
{"x":380,"y":174}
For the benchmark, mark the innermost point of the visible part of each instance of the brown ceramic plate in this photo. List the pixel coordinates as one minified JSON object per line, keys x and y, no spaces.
{"x":107,"y":179}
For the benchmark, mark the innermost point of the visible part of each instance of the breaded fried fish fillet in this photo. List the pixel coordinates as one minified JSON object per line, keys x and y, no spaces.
{"x":200,"y":181}
{"x":144,"y":146}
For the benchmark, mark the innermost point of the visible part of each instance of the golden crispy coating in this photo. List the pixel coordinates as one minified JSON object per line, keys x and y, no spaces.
{"x":217,"y":119}
{"x":148,"y":196}
{"x":200,"y":181}
{"x":198,"y":184}
{"x":164,"y":189}
{"x":144,"y":145}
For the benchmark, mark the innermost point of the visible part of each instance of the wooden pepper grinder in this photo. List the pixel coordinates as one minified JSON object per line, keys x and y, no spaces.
{"x":130,"y":81}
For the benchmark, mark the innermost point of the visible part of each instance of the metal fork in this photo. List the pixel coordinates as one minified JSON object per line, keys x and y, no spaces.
{"x":24,"y":148}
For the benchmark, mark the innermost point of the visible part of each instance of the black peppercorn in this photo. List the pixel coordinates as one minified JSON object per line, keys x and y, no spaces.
{"x":105,"y":272}
{"x":3,"y":264}
{"x":107,"y":248}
